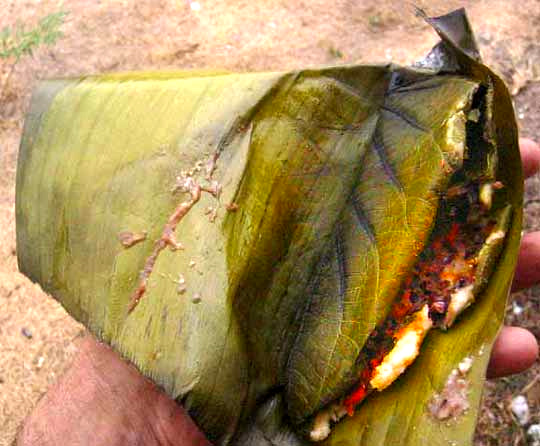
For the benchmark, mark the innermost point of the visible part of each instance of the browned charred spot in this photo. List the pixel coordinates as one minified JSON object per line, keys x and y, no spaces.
{"x":128,"y":238}
{"x":455,"y":191}
{"x":231,"y":207}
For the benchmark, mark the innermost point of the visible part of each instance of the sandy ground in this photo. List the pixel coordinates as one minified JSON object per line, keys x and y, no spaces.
{"x":36,"y":335}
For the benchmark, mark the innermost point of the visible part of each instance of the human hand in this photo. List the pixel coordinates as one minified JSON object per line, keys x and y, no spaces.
{"x":516,"y":349}
{"x":104,"y":400}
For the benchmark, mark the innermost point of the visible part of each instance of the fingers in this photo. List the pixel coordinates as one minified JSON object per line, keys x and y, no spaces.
{"x":528,"y":265}
{"x":530,"y":156}
{"x":515,"y":350}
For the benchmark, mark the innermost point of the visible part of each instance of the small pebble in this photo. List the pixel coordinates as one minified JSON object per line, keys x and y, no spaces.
{"x":195,"y":6}
{"x":465,"y":365}
{"x":192,"y":263}
{"x":520,"y":408}
{"x":26,"y":333}
{"x":534,"y":434}
{"x":485,"y":37}
{"x":40,"y":362}
{"x":517,"y":309}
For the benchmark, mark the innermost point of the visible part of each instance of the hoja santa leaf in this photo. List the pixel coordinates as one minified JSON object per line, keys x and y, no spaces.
{"x":249,"y":241}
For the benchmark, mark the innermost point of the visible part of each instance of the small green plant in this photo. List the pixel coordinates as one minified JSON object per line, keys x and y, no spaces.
{"x":19,"y":41}
{"x":335,"y":53}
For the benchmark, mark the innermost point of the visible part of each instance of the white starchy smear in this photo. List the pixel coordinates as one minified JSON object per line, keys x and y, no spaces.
{"x":404,"y":352}
{"x":321,"y":424}
{"x":486,"y":195}
{"x":455,"y":129}
{"x":453,"y":400}
{"x":459,"y":300}
{"x":494,"y":236}
{"x":465,"y":365}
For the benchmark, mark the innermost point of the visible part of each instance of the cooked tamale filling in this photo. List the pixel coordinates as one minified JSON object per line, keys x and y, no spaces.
{"x":442,"y":284}
{"x":450,"y":272}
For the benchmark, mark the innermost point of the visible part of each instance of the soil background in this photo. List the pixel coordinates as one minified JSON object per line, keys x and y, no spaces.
{"x":36,"y":335}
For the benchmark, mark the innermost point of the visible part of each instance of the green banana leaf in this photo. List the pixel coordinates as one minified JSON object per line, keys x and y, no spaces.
{"x":319,"y":190}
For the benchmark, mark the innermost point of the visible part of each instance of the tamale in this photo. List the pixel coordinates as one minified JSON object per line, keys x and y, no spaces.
{"x":313,"y":255}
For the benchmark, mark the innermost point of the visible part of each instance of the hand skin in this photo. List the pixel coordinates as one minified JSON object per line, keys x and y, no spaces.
{"x":103,"y":400}
{"x":516,"y":349}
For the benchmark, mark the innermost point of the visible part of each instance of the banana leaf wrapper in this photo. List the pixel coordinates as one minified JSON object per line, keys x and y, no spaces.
{"x":319,"y":190}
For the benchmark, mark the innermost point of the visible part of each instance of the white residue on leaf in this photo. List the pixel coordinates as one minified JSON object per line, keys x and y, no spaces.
{"x":465,"y":365}
{"x":321,"y":425}
{"x":196,"y":298}
{"x":455,"y":128}
{"x":453,"y":400}
{"x":495,"y":236}
{"x":482,"y":349}
{"x":486,"y":196}
{"x":181,"y":284}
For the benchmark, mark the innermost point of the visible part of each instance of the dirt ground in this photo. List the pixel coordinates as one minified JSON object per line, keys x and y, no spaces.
{"x":36,"y":335}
